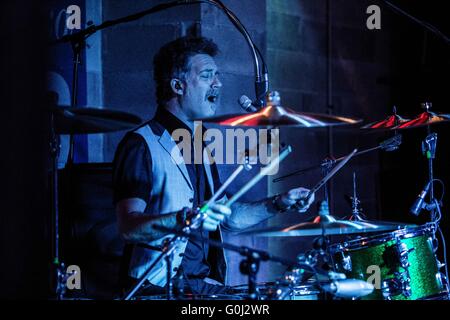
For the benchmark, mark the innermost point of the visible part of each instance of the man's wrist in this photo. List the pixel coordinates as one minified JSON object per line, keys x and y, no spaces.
{"x":182,"y":216}
{"x":279,"y":205}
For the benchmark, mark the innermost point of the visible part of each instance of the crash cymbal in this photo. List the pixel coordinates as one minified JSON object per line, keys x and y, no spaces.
{"x":395,"y":122}
{"x":84,"y":120}
{"x":274,"y":115}
{"x":424,"y":119}
{"x":388,"y":123}
{"x":325,"y":225}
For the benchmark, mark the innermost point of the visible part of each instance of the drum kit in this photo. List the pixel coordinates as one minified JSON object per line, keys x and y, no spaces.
{"x":379,"y":259}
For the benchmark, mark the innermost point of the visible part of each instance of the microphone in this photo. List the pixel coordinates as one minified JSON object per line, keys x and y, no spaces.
{"x":349,"y":288}
{"x":247,"y":104}
{"x":419,"y":203}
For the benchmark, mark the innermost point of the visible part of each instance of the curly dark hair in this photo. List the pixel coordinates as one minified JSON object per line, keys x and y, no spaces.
{"x":172,"y":61}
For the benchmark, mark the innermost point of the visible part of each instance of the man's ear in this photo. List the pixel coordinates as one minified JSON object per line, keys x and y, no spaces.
{"x":177,"y":86}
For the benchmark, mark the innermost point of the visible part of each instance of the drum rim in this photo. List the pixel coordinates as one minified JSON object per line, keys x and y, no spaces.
{"x":221,"y":296}
{"x":369,"y":241}
{"x":301,"y":290}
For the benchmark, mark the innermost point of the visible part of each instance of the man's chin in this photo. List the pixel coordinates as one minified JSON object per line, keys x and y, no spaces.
{"x":212,"y":112}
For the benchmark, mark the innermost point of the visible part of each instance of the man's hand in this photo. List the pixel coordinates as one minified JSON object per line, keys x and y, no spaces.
{"x":216,"y":214}
{"x":293,"y":195}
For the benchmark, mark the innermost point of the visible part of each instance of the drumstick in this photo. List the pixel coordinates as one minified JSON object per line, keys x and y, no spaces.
{"x":259,"y":176}
{"x":325,"y":179}
{"x":223,"y":187}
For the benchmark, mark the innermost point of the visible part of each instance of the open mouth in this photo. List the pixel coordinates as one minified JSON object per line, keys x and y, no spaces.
{"x":212,"y":98}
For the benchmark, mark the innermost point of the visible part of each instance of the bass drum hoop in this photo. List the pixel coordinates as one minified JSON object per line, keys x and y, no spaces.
{"x":365,"y":242}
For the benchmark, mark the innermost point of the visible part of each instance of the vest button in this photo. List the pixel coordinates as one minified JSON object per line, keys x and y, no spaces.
{"x":175,"y":269}
{"x":191,"y":200}
{"x":181,"y":254}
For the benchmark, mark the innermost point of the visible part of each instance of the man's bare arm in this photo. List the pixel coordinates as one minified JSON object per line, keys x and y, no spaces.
{"x":135,"y":226}
{"x":245,"y":215}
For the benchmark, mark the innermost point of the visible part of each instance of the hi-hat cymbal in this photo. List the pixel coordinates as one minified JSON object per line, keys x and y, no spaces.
{"x":276,"y":116}
{"x":84,"y":120}
{"x":325,"y":225}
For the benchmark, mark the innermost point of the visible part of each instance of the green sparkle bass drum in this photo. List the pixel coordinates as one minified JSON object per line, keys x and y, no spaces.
{"x":401,"y":264}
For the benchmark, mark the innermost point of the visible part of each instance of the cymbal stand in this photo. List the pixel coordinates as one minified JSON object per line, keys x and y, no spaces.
{"x":59,"y":268}
{"x":356,"y":210}
{"x":326,"y":166}
{"x":429,"y":145}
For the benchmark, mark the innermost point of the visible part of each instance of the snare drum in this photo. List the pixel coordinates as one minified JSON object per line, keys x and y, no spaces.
{"x":400,"y":264}
{"x":272,"y":291}
{"x":193,"y":297}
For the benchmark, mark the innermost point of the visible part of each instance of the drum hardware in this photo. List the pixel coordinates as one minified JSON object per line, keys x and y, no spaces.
{"x":301,"y":202}
{"x":390,"y":144}
{"x":252,"y":258}
{"x":336,"y":283}
{"x":324,"y":224}
{"x":64,"y":120}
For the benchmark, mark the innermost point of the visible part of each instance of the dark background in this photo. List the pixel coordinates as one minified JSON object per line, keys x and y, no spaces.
{"x":321,"y":58}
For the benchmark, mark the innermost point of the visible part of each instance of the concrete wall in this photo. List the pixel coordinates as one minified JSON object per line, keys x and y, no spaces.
{"x":299,"y":44}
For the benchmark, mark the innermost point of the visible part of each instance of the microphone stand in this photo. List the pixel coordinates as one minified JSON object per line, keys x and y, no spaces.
{"x":261,"y":77}
{"x":169,"y":244}
{"x":253,"y":257}
{"x":423,"y":24}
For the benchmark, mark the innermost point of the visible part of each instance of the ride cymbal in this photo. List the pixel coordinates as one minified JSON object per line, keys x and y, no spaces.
{"x":325,"y":225}
{"x":85,"y":120}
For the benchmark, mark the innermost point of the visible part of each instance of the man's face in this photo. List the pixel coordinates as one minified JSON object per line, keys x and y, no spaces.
{"x":202,"y":88}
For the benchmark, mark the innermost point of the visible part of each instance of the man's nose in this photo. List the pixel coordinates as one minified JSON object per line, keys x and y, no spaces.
{"x":216,"y":83}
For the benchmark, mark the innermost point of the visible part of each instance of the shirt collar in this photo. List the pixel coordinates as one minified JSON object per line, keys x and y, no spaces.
{"x":169,"y":121}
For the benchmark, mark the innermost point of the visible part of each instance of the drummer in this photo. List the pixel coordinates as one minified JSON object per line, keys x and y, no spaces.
{"x":150,"y":188}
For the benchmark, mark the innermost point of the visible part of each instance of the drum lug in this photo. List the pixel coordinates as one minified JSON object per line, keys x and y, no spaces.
{"x":400,"y":284}
{"x":403,"y":254}
{"x":344,"y":261}
{"x":440,"y":265}
{"x":347,"y":262}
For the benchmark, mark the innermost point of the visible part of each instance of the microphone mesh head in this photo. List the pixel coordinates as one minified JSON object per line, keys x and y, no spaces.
{"x":245,"y":102}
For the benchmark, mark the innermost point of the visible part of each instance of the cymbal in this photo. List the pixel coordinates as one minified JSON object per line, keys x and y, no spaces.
{"x":388,"y":123}
{"x":424,"y":119}
{"x":395,"y":122}
{"x":85,"y":120}
{"x":276,"y":116}
{"x":326,"y":225}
